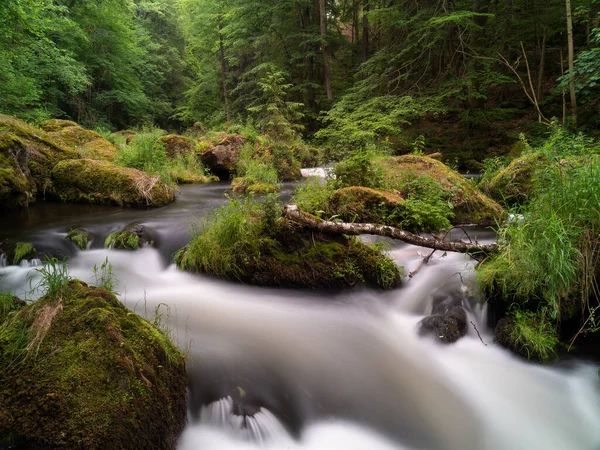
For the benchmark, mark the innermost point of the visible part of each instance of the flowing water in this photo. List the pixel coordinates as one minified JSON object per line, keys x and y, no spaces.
{"x":292,"y":369}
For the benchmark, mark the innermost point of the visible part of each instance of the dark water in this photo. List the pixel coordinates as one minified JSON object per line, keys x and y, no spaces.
{"x":281,"y":369}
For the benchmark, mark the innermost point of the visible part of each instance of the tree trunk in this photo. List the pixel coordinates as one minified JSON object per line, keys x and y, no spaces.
{"x":293,"y":213}
{"x":327,"y":74}
{"x":542,"y":64}
{"x":365,"y":24}
{"x":571,"y":64}
{"x":224,"y":73}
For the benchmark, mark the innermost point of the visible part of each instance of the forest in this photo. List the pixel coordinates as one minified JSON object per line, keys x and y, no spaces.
{"x":302,"y":224}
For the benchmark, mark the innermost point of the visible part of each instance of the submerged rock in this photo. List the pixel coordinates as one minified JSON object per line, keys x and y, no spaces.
{"x":84,"y":372}
{"x":448,"y":320}
{"x":17,"y":187}
{"x":80,"y":237}
{"x":93,"y":181}
{"x":88,"y":143}
{"x":131,"y":237}
{"x":414,"y":173}
{"x":513,"y":185}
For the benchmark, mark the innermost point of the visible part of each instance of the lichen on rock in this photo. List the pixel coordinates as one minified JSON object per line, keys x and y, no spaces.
{"x":82,"y":371}
{"x":102,"y":182}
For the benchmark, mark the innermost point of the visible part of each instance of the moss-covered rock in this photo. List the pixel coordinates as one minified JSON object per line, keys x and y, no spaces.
{"x":527,"y":336}
{"x":222,"y":158}
{"x":409,"y":173}
{"x":17,"y":187}
{"x":296,"y":258}
{"x":93,"y":181}
{"x":87,"y":143}
{"x":15,"y":252}
{"x":177,"y":145}
{"x":130,"y":237}
{"x":80,"y":237}
{"x":84,"y":372}
{"x":243,"y":185}
{"x":44,"y":150}
{"x":362,"y":204}
{"x":513,"y":184}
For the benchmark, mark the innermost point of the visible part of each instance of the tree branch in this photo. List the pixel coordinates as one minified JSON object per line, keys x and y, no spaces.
{"x":295,"y":214}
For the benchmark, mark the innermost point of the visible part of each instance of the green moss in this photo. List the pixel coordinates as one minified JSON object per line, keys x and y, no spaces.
{"x":177,"y":145}
{"x":241,"y":184}
{"x":80,"y":237}
{"x":362,"y":204}
{"x":85,"y":372}
{"x":409,"y":173}
{"x":87,"y":143}
{"x":93,"y":181}
{"x":8,"y":304}
{"x":131,"y":237}
{"x":513,"y":184}
{"x":23,"y":250}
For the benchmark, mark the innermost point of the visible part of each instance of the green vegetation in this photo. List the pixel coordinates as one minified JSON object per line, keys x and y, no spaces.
{"x":548,"y":263}
{"x":251,"y":243}
{"x":54,"y":279}
{"x":105,"y":277}
{"x":130,"y":237}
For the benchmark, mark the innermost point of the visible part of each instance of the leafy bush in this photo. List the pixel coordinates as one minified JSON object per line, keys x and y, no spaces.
{"x":359,"y":170}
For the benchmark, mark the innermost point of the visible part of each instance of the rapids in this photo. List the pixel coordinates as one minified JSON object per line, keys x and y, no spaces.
{"x":282,"y":369}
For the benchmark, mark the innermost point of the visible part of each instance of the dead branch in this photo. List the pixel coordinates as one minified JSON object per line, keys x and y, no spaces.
{"x":476,"y":250}
{"x":474,"y":326}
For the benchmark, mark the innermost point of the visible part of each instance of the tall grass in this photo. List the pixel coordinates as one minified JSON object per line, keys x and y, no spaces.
{"x":144,"y":153}
{"x":54,"y":279}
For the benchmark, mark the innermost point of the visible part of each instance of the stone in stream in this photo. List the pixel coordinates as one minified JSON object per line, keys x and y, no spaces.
{"x":222,"y":159}
{"x":131,"y":237}
{"x":80,"y":237}
{"x":81,"y":371}
{"x":15,"y":252}
{"x":448,"y":320}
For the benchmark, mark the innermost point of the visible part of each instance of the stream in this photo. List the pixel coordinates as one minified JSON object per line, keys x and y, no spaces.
{"x":293,"y":369}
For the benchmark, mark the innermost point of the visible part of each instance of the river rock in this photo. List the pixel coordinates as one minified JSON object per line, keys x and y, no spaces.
{"x":17,"y":187}
{"x":15,"y":252}
{"x":222,"y":159}
{"x":83,"y":372}
{"x":176,"y":145}
{"x":448,"y":320}
{"x":131,"y":237}
{"x":102,"y":182}
{"x":80,"y":237}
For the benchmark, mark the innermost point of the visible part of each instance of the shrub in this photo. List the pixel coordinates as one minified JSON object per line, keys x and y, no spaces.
{"x":314,"y":195}
{"x":359,"y":170}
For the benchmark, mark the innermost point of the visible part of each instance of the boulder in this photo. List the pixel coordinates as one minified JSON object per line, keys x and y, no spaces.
{"x":410,"y":173}
{"x":80,"y":237}
{"x":222,"y":159}
{"x":15,"y":252}
{"x":448,"y":320}
{"x":176,"y":145}
{"x":17,"y":186}
{"x":243,"y":185}
{"x":84,"y":372}
{"x":366,"y":205}
{"x":87,"y":143}
{"x":102,"y":182}
{"x":513,"y":185}
{"x":131,"y":237}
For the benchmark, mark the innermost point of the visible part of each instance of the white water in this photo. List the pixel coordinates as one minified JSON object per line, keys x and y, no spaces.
{"x":351,"y":365}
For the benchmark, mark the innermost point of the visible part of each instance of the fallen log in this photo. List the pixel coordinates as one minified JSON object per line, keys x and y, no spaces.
{"x":474,"y":249}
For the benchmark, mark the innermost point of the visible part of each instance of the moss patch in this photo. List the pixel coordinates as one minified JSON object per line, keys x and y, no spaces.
{"x":241,"y":184}
{"x":80,"y":237}
{"x":85,"y":372}
{"x":406,"y":173}
{"x":17,"y":187}
{"x":23,"y":250}
{"x":131,"y":237}
{"x":514,"y":184}
{"x":362,"y":204}
{"x":93,"y":181}
{"x":87,"y":143}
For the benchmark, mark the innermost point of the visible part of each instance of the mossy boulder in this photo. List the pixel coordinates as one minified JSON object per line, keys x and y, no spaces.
{"x":293,"y":257}
{"x":363,"y":204}
{"x":80,"y":237}
{"x":243,"y":185}
{"x":15,"y":252}
{"x":130,"y":237}
{"x":177,"y":145}
{"x":94,"y":181}
{"x":84,"y":372}
{"x":17,"y":187}
{"x":44,"y":150}
{"x":409,"y":173}
{"x":513,"y":184}
{"x":87,"y":143}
